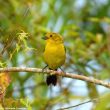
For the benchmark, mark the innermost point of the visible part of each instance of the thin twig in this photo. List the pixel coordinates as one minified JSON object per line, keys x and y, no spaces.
{"x":7,"y":45}
{"x":77,"y":104}
{"x":67,"y":75}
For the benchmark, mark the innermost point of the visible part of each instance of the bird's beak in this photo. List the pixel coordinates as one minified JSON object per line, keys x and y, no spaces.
{"x":45,"y":38}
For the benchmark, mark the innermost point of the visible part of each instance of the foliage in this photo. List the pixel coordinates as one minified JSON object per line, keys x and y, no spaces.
{"x":84,"y":24}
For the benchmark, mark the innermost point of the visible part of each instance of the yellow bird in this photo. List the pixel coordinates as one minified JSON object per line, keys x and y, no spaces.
{"x":54,"y":54}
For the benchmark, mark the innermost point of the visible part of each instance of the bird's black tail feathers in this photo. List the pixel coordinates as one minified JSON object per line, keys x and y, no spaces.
{"x":51,"y":80}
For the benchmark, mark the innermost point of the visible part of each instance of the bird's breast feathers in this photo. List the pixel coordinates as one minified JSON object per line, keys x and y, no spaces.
{"x":54,"y":55}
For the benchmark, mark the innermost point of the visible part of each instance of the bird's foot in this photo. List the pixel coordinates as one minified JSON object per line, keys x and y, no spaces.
{"x":44,"y":68}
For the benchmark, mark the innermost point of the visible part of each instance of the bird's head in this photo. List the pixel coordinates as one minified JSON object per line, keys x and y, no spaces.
{"x":53,"y":37}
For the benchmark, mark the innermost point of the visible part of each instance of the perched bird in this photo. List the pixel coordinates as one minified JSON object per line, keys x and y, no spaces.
{"x":54,"y":54}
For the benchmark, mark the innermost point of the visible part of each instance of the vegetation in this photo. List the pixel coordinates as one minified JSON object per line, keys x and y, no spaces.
{"x":85,"y":27}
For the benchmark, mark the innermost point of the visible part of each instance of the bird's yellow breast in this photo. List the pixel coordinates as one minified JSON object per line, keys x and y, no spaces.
{"x":54,"y":55}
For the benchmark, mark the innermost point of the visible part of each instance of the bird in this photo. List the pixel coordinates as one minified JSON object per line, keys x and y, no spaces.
{"x":54,"y":54}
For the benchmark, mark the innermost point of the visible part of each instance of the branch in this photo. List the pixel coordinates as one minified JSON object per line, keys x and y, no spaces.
{"x":77,"y":104}
{"x":68,"y":75}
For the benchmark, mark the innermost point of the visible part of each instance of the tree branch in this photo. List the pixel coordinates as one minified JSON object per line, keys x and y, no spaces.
{"x":68,"y":75}
{"x":77,"y":104}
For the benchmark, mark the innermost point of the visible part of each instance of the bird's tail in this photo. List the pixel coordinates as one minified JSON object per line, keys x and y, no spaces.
{"x":51,"y":79}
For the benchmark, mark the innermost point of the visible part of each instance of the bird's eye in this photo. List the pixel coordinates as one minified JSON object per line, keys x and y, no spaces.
{"x":51,"y":35}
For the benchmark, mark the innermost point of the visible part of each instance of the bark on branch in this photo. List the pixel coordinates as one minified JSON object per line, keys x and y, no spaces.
{"x":68,"y":75}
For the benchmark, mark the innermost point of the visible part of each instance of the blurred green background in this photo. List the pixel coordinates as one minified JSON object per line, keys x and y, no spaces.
{"x":85,"y":27}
